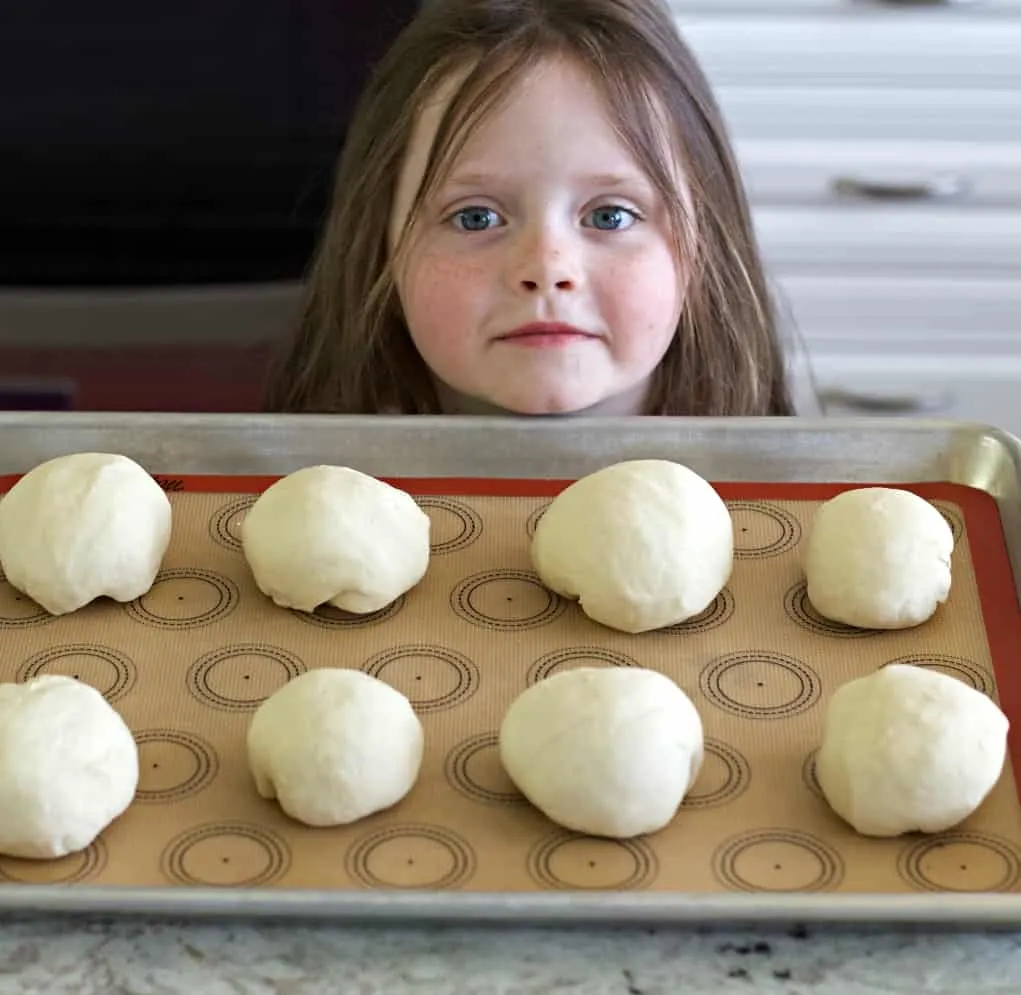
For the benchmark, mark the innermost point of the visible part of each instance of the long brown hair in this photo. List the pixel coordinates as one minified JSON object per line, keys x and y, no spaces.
{"x":352,"y":352}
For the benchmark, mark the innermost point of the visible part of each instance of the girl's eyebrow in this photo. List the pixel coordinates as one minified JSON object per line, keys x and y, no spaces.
{"x":605,"y":181}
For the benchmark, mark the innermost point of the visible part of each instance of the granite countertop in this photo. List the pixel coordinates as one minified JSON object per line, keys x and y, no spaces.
{"x":135,"y":958}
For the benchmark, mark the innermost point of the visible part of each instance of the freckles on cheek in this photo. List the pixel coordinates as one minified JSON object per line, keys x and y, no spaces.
{"x":439,"y":296}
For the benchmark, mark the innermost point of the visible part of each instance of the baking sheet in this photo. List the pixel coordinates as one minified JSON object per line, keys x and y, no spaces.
{"x":188,"y":663}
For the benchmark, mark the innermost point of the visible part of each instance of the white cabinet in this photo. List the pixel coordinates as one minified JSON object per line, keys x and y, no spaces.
{"x":880,"y":145}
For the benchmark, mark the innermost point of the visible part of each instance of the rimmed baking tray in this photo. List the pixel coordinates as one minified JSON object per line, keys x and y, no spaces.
{"x":753,"y":842}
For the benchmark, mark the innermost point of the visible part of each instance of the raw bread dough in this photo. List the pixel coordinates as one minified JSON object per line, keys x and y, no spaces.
{"x":604,"y":751}
{"x":68,"y":766}
{"x":334,"y":746}
{"x":333,"y":535}
{"x":641,"y":544}
{"x":878,"y":558}
{"x":83,"y":526}
{"x":909,"y":749}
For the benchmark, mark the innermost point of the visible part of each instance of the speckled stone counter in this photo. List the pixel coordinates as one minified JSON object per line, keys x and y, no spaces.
{"x":129,"y":958}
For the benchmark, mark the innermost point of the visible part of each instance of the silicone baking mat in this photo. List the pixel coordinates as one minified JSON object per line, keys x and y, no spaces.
{"x":188,"y":663}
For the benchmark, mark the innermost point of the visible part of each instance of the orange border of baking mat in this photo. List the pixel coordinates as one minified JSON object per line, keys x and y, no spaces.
{"x":1001,"y":613}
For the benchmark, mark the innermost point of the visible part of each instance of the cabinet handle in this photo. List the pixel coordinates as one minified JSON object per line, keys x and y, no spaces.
{"x":938,"y":188}
{"x":893,"y":404}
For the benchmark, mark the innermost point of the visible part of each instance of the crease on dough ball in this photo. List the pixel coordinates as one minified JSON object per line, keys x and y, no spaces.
{"x":331,"y":535}
{"x":68,"y":767}
{"x":84,"y":526}
{"x":641,"y":544}
{"x":604,"y":751}
{"x":334,"y":746}
{"x":878,"y":558}
{"x":908,"y":749}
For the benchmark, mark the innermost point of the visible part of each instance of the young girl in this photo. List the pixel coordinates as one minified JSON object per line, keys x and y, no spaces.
{"x":537,"y":212}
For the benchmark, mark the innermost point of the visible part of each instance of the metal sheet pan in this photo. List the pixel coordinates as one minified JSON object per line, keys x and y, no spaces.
{"x":735,"y":449}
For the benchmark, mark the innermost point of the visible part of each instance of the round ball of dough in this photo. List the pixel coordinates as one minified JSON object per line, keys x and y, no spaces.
{"x":604,"y":751}
{"x":641,"y":544}
{"x":332,"y":535}
{"x":68,"y":766}
{"x":878,"y":558}
{"x":334,"y":746}
{"x":81,"y":527}
{"x":909,"y":749}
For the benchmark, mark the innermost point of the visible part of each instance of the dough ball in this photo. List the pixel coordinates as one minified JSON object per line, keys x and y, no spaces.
{"x":604,"y":751}
{"x":878,"y":558}
{"x":333,"y":746}
{"x":909,"y":749}
{"x":332,"y":535}
{"x":641,"y":545}
{"x":68,"y":766}
{"x":81,"y":527}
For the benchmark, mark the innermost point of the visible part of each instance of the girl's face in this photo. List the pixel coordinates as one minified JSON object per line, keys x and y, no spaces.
{"x":541,"y":276}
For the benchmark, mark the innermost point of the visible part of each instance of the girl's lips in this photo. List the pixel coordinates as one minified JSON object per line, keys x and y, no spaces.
{"x":540,"y":335}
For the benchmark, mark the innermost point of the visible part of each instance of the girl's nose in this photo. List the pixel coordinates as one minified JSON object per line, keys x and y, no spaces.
{"x":545,"y":262}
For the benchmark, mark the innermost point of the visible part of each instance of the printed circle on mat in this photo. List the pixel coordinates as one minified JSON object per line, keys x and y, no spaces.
{"x":762,"y":530}
{"x":225,"y":525}
{"x":579,"y":656}
{"x":185,"y":598}
{"x":952,"y":517}
{"x":952,"y":666}
{"x":718,"y":613}
{"x":810,"y":776}
{"x":760,"y":684}
{"x":454,"y":524}
{"x":777,"y":860}
{"x":328,"y":617}
{"x":108,"y":670}
{"x":533,"y":519}
{"x":725,"y":775}
{"x":239,"y":678}
{"x":226,"y":855}
{"x":802,"y":612}
{"x":570,"y":861}
{"x":430,"y":677}
{"x":173,"y":765}
{"x":75,"y":868}
{"x":411,"y":856}
{"x":19,"y":611}
{"x":473,"y":768}
{"x":962,"y":862}
{"x":506,"y":599}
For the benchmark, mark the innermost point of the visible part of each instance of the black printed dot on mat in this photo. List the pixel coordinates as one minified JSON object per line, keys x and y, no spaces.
{"x":75,"y":868}
{"x":226,"y":855}
{"x":777,"y":860}
{"x":801,"y":611}
{"x":533,"y":519}
{"x":952,"y":666}
{"x":572,"y":862}
{"x":225,"y":525}
{"x":185,"y":598}
{"x":239,"y":678}
{"x":454,"y":524}
{"x":506,"y":600}
{"x":173,"y":765}
{"x":960,"y":862}
{"x":473,"y":769}
{"x":725,"y":775}
{"x":718,"y":613}
{"x":411,"y":856}
{"x":574,"y":657}
{"x":19,"y":611}
{"x":108,"y":670}
{"x":430,"y":677}
{"x":762,"y":530}
{"x":328,"y":617}
{"x":760,"y":685}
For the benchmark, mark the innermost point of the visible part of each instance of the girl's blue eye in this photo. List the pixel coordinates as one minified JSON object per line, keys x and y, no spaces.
{"x":611,"y":218}
{"x":476,"y":218}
